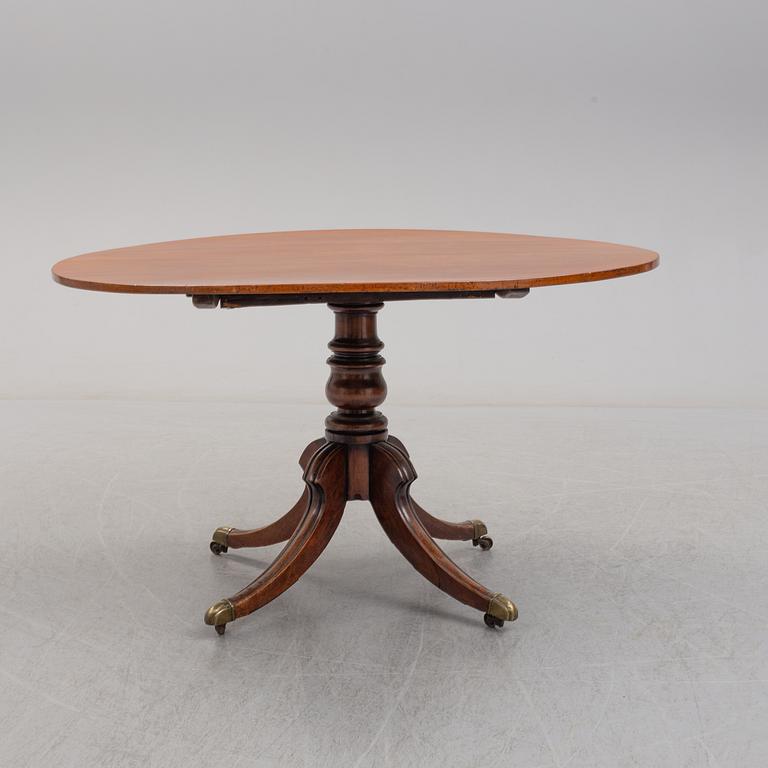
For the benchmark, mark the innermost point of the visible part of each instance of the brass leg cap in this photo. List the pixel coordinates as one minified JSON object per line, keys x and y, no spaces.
{"x":220,"y":535}
{"x":479,"y":539}
{"x":502,"y":608}
{"x":220,"y":613}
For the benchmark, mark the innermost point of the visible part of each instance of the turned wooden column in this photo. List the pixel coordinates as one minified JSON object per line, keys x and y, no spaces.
{"x":356,"y":385}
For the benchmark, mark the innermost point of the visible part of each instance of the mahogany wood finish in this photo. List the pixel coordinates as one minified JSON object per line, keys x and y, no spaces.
{"x":354,"y":272}
{"x":437,"y":528}
{"x":442,"y":529}
{"x":325,"y":479}
{"x":282,"y":528}
{"x":392,"y":475}
{"x":351,"y":261}
{"x":358,"y":459}
{"x":356,"y":385}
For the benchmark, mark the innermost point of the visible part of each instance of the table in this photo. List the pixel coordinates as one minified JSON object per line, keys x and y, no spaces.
{"x":354,"y":272}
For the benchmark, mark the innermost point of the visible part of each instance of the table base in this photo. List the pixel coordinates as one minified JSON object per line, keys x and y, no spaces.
{"x":357,"y":459}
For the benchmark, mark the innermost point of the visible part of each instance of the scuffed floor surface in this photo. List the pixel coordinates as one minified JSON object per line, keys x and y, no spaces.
{"x":635,"y":543}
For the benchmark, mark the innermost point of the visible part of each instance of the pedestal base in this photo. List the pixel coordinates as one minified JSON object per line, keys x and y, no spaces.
{"x":335,"y":473}
{"x":357,"y":459}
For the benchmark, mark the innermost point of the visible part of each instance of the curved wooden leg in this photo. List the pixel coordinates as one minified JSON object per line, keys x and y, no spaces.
{"x":280,"y":530}
{"x":469,"y":530}
{"x":224,"y":537}
{"x":325,"y":477}
{"x":391,"y":476}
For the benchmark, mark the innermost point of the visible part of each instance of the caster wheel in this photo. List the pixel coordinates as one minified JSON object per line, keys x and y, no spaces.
{"x":484,"y":542}
{"x":490,"y":621}
{"x":218,"y":549}
{"x":220,"y":629}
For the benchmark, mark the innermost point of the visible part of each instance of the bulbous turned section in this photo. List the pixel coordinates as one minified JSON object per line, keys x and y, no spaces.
{"x":356,"y":385}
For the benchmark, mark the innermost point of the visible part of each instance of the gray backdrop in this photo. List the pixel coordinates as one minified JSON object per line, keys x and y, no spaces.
{"x":642,"y":123}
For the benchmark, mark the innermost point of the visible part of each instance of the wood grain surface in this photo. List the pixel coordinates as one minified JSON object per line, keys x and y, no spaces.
{"x":350,"y":261}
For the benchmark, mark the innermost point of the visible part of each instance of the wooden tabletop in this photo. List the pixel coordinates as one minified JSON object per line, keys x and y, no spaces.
{"x":351,"y":261}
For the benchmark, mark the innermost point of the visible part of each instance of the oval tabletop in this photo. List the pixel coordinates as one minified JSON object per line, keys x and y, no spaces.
{"x":351,"y":261}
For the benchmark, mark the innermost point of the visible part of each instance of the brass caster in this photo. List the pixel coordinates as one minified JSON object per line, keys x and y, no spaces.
{"x":479,"y":539}
{"x":500,"y":609}
{"x":219,"y":540}
{"x":219,"y":614}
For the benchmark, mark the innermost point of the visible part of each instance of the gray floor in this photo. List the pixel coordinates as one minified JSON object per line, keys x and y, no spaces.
{"x":633,"y":541}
